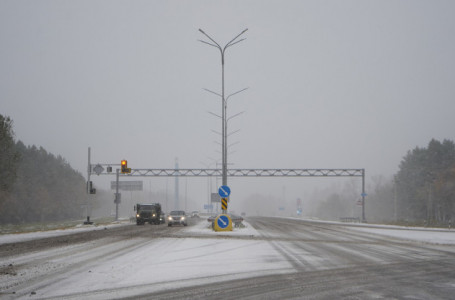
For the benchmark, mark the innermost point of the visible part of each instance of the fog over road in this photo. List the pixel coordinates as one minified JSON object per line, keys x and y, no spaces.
{"x":287,"y":258}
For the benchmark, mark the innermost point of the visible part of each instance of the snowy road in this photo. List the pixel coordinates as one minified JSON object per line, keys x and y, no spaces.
{"x":272,"y":258}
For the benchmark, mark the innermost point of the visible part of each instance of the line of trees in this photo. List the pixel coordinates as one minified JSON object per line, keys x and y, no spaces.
{"x":35,"y":185}
{"x":425,"y":183}
{"x":422,"y":192}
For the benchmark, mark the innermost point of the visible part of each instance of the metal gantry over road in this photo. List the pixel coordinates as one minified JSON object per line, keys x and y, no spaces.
{"x":252,"y":173}
{"x":106,"y":169}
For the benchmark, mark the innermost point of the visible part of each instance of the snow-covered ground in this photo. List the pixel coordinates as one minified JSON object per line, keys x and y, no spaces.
{"x":199,"y":258}
{"x":424,"y":235}
{"x":174,"y":263}
{"x":21,"y":237}
{"x":437,"y":236}
{"x":161,"y":263}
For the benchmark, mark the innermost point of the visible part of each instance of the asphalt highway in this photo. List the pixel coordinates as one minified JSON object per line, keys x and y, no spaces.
{"x":334,"y":262}
{"x":328,"y":261}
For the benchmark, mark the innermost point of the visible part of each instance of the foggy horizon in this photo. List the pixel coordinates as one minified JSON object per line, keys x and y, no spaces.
{"x":349,"y":84}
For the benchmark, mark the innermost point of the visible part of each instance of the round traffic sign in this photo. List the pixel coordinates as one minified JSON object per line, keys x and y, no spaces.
{"x":222,"y":223}
{"x":224,"y":191}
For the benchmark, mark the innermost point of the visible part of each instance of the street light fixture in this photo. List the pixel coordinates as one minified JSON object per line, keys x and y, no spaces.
{"x":234,"y":41}
{"x":223,"y":100}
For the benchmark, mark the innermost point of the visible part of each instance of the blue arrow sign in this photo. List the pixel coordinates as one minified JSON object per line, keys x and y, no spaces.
{"x":224,"y":191}
{"x":223,"y":222}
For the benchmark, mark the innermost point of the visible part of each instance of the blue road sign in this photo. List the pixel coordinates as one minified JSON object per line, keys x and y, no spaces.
{"x":224,"y":191}
{"x":223,"y":221}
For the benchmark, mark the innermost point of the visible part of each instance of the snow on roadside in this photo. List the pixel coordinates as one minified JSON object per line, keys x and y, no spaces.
{"x":22,"y":237}
{"x":437,"y":236}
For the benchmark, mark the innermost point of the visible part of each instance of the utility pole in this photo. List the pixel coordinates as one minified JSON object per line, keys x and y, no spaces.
{"x":117,"y":195}
{"x":87,"y":204}
{"x":363,"y":196}
{"x":176,"y":186}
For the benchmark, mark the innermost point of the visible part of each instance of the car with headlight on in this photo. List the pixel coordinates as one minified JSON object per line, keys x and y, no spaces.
{"x":177,"y":217}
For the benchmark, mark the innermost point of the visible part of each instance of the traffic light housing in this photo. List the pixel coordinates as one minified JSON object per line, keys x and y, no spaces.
{"x":125,"y":169}
{"x":92,"y":190}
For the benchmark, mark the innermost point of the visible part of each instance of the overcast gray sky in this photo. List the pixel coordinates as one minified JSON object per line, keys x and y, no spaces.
{"x":332,"y":84}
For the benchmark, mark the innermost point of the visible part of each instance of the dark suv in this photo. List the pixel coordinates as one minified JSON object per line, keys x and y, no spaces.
{"x":177,"y":217}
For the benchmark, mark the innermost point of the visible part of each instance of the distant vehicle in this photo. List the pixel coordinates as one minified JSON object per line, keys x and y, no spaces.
{"x":150,"y":213}
{"x":177,"y":217}
{"x":195,"y":214}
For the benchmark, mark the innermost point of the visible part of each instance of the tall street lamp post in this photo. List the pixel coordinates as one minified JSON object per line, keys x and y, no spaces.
{"x":223,"y":100}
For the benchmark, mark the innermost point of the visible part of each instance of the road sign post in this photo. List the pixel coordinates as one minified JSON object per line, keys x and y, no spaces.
{"x":224,"y":191}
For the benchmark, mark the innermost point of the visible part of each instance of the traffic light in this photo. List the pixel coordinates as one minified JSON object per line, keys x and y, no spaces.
{"x":124,"y":166}
{"x":125,"y":169}
{"x":90,"y":188}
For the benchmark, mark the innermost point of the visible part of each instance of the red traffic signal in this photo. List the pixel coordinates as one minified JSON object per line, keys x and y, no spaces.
{"x":124,"y":165}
